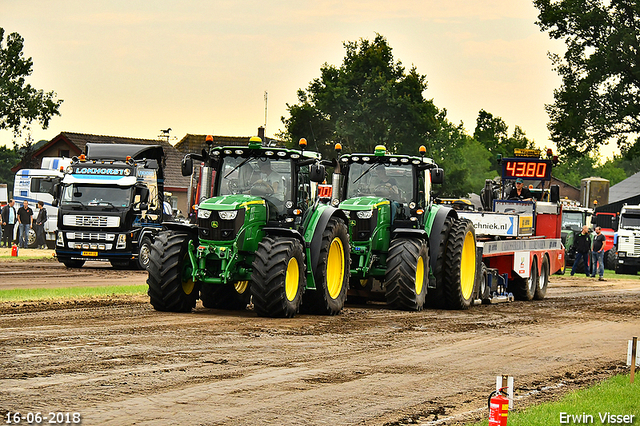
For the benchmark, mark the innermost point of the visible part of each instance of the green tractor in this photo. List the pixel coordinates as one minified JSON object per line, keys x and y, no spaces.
{"x":267,"y":234}
{"x":404,"y":249}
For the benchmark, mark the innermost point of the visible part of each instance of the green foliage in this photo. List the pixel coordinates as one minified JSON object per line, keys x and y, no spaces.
{"x":598,"y":99}
{"x":8,"y":159}
{"x":20,"y":103}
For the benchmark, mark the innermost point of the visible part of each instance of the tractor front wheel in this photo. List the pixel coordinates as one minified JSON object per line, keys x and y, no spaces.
{"x":407,"y":274}
{"x":279,"y":277}
{"x":171,"y":287}
{"x":460,"y":265}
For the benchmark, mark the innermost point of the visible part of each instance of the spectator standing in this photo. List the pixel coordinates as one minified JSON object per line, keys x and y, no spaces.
{"x":582,"y":245}
{"x":597,"y":254}
{"x":39,"y":226}
{"x":8,"y":222}
{"x":25,"y":219}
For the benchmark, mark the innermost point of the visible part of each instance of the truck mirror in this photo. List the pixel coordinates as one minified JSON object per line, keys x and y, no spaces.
{"x":614,"y":223}
{"x":144,"y":206}
{"x":437,"y":176}
{"x":143,"y":191}
{"x":555,"y":193}
{"x":316,"y":173}
{"x":54,"y":203}
{"x":187,"y":166}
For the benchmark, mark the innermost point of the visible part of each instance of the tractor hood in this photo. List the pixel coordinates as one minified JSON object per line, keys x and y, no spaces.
{"x":231,"y":202}
{"x":363,"y":203}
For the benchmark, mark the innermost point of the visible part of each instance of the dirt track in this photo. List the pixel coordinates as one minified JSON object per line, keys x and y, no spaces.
{"x":118,"y":362}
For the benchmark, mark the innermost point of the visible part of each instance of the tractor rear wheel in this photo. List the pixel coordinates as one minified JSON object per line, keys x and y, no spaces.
{"x":407,"y":274}
{"x":543,"y":280}
{"x":525,"y":288}
{"x":234,"y":296}
{"x":279,"y":277}
{"x":460,"y":265}
{"x":332,"y":272}
{"x":435,"y":292}
{"x":171,"y":286}
{"x":610,"y":259}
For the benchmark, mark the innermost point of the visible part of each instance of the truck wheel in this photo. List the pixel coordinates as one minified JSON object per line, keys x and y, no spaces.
{"x":407,"y":274}
{"x":543,"y":280}
{"x":279,"y":277}
{"x":435,"y":292}
{"x":171,"y":286}
{"x":610,"y":259}
{"x":525,"y":288}
{"x":73,"y":263}
{"x":460,"y":265}
{"x":332,"y":273}
{"x":144,"y":253}
{"x":31,"y":238}
{"x":229,"y":296}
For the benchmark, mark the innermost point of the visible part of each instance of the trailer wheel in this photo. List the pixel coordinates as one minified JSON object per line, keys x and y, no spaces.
{"x":332,"y":277}
{"x":279,"y":277}
{"x":234,"y":296}
{"x":610,"y":259}
{"x":435,"y":292}
{"x":407,"y":274}
{"x":460,"y":265}
{"x":484,"y":291}
{"x":525,"y":288}
{"x":171,"y":286}
{"x":144,"y":253}
{"x":543,"y":280}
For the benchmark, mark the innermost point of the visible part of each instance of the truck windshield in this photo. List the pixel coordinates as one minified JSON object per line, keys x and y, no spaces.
{"x":572,"y":220}
{"x":262,"y":177}
{"x":378,"y":180}
{"x":630,"y":221}
{"x":92,"y":195}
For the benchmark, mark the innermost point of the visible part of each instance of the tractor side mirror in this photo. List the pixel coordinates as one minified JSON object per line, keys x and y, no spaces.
{"x":187,"y":166}
{"x":316,"y":173}
{"x":437,"y":176}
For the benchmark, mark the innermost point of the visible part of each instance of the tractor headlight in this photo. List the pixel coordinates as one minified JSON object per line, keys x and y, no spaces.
{"x":227,"y":215}
{"x":365,"y":214}
{"x":204,"y":214}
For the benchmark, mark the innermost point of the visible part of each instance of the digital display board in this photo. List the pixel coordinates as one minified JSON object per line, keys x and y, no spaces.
{"x":526,"y":168}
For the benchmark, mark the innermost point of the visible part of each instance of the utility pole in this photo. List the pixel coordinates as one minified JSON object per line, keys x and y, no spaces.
{"x":265,"y":111}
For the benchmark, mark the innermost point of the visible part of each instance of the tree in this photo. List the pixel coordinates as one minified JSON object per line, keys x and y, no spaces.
{"x":600,"y":70}
{"x":20,"y":103}
{"x":369,"y":100}
{"x":8,"y":159}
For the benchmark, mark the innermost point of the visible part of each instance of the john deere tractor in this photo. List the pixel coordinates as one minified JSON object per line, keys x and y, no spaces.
{"x":403,"y":247}
{"x":267,"y":231}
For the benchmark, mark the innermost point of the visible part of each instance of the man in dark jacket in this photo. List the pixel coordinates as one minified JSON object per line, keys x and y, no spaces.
{"x":9,"y":219}
{"x":582,"y":244}
{"x":39,"y":226}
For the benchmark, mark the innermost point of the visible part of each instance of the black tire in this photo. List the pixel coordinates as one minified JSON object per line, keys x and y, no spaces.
{"x":525,"y":288}
{"x":71,"y":263}
{"x":407,"y":274}
{"x":435,"y":293}
{"x":234,"y":296}
{"x":484,"y":292}
{"x":543,"y":280}
{"x":144,"y":253}
{"x":610,"y":259}
{"x":460,"y":265}
{"x":332,"y":273}
{"x":279,"y":277}
{"x":171,"y":287}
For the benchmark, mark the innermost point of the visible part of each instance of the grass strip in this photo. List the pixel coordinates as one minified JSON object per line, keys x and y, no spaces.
{"x":595,"y":405}
{"x":69,"y":292}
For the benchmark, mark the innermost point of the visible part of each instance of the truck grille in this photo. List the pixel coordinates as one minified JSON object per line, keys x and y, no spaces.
{"x":91,"y":236}
{"x":361,"y":229}
{"x":218,"y":229}
{"x":91,"y":221}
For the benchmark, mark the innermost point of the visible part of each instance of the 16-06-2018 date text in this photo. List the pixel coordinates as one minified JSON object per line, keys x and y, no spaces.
{"x":39,"y":418}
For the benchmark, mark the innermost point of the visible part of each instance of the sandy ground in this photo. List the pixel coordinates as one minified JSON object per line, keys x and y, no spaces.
{"x":116,"y":361}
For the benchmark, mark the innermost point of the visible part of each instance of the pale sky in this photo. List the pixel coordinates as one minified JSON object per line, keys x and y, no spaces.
{"x":131,"y":67}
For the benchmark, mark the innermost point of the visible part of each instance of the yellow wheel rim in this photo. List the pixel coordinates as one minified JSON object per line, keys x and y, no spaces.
{"x":187,"y":280}
{"x":468,"y":266}
{"x":335,"y":268}
{"x":419,"y":275}
{"x":241,"y":286}
{"x":364,"y":283}
{"x":187,"y":286}
{"x":292,"y":279}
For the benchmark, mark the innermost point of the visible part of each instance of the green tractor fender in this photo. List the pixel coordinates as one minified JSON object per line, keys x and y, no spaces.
{"x":315,"y":229}
{"x":284,"y":232}
{"x":409,"y":233}
{"x":434,"y":225}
